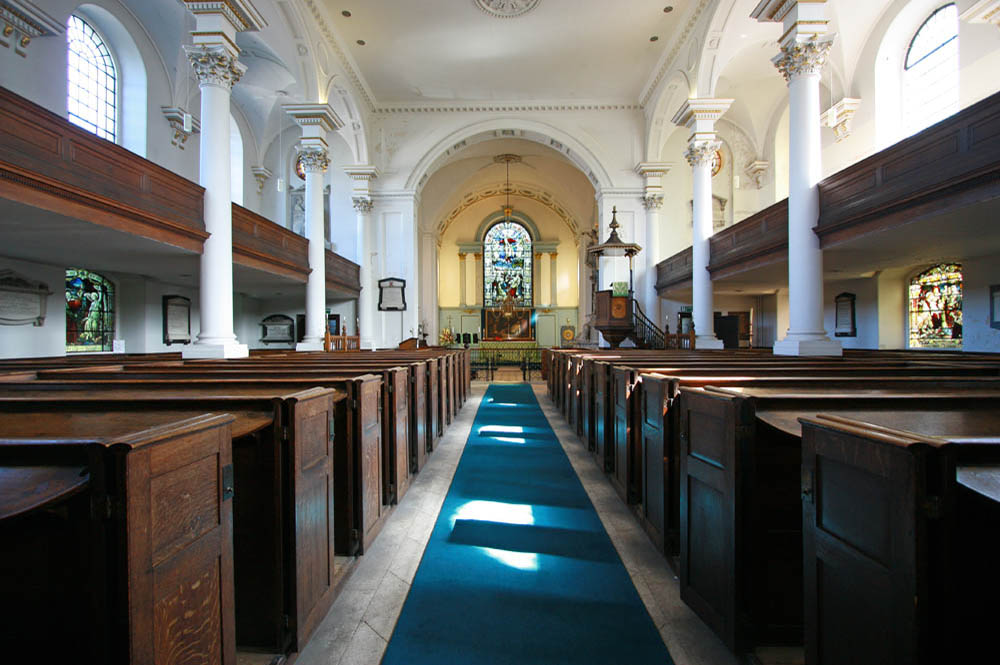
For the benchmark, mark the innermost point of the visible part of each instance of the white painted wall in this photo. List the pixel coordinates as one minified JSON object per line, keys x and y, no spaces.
{"x":978,"y":275}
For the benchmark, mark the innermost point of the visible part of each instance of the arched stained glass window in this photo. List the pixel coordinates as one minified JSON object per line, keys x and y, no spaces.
{"x":92,"y":80}
{"x":507,"y":264}
{"x":930,"y":71}
{"x":936,"y":308}
{"x":90,"y":312}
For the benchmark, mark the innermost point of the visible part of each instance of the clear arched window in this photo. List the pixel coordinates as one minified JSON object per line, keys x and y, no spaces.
{"x":507,"y":265}
{"x":90,"y":312}
{"x":935,"y":305}
{"x":930,"y":71}
{"x":92,"y":96}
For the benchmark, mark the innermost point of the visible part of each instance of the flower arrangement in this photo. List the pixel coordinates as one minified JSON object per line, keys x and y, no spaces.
{"x":447,"y":337}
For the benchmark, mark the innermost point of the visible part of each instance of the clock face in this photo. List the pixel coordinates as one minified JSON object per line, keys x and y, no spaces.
{"x":300,"y":170}
{"x":716,"y":163}
{"x":567,"y":334}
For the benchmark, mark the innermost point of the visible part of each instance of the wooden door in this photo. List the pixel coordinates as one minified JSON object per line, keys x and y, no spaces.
{"x":861,"y":498}
{"x":709,"y":546}
{"x":621,"y":384}
{"x":418,"y":416}
{"x":433,"y":405}
{"x":603,"y":417}
{"x":398,"y":414}
{"x":178,"y":530}
{"x":653,"y":491}
{"x":310,"y":419}
{"x":368,"y":455}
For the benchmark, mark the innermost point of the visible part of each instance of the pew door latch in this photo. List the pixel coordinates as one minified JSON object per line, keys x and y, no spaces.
{"x":808,"y":485}
{"x":228,"y":482}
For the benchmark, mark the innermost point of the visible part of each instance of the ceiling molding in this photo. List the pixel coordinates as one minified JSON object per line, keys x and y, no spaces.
{"x":507,"y":107}
{"x":680,"y":42}
{"x":345,"y":61}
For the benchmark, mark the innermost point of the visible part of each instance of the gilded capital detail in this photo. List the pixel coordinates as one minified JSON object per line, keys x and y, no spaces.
{"x":314,"y":160}
{"x":362,"y":205}
{"x":215,"y":65}
{"x":802,"y":58}
{"x":701,"y":153}
{"x":652,"y":201}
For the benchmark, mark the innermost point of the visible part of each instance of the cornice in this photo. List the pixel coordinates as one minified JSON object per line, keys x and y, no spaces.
{"x":507,"y":107}
{"x":345,"y":60}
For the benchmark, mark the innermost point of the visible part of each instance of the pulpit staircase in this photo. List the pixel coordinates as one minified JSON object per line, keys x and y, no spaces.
{"x":645,"y":333}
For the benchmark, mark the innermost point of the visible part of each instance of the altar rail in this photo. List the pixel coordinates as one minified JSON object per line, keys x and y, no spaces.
{"x":485,"y":361}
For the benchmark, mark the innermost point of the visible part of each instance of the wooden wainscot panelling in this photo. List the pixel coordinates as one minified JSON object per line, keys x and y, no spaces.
{"x":757,"y":240}
{"x":260,"y":243}
{"x":674,"y":272}
{"x":951,"y":164}
{"x":47,"y":162}
{"x":342,"y":275}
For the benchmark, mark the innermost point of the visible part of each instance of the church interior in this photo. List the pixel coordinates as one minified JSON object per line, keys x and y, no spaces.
{"x":499,"y":331}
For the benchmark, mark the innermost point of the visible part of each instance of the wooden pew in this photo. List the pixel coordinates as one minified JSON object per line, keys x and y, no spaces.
{"x":900,"y":517}
{"x":300,"y":510}
{"x":155,"y":561}
{"x":741,"y":527}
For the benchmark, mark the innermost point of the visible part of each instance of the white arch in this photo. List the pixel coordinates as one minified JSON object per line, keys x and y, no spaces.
{"x":354,"y":131}
{"x":676,"y":89}
{"x":582,"y":155}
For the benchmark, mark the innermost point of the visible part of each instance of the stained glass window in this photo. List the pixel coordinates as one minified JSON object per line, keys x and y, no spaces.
{"x":930,"y":71}
{"x":507,"y":265}
{"x":92,"y":80}
{"x":936,"y":308}
{"x":90,"y":312}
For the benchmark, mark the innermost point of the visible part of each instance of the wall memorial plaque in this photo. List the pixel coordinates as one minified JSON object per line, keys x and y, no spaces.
{"x":845,"y":322}
{"x":392,"y":294}
{"x":278,"y":329}
{"x":176,"y":320}
{"x":22,"y":301}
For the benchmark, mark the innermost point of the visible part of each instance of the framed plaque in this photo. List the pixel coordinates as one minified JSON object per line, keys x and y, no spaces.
{"x":22,"y":301}
{"x":392,"y":294}
{"x":278,"y":329}
{"x":176,"y":320}
{"x":845,"y":324}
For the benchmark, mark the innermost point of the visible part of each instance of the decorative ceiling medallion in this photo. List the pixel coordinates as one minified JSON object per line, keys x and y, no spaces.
{"x":506,"y":8}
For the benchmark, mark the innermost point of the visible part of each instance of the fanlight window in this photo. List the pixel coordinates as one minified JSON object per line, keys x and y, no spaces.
{"x":507,"y":265}
{"x":936,"y":308}
{"x":930,"y":71}
{"x":90,"y":312}
{"x":92,"y":80}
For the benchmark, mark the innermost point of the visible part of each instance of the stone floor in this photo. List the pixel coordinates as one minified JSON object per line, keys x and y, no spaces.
{"x":360,"y":623}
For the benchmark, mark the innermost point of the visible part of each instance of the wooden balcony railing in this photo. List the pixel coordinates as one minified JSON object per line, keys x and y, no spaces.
{"x":260,"y":243}
{"x":757,"y":240}
{"x":952,"y":164}
{"x":948,"y":165}
{"x":674,"y":271}
{"x":342,"y":275}
{"x":49,"y":163}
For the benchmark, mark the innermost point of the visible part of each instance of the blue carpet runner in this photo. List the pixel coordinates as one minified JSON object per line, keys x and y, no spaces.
{"x":519,"y":568}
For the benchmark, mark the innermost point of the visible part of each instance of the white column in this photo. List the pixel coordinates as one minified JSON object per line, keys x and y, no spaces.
{"x":700,"y":115}
{"x":652,"y":200}
{"x":361,"y":176}
{"x":478,"y":256}
{"x":804,"y":51}
{"x":462,"y":279}
{"x":217,"y":70}
{"x":366,"y":301}
{"x":316,"y":121}
{"x":314,"y":163}
{"x":553,"y":280}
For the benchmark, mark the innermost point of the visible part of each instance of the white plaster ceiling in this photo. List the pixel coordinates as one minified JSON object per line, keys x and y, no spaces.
{"x":433,"y":51}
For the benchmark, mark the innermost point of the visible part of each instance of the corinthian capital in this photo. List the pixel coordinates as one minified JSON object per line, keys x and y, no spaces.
{"x":363,"y":205}
{"x":652,"y":201}
{"x":701,"y":153}
{"x":215,"y":64}
{"x":802,"y":58}
{"x":314,"y":159}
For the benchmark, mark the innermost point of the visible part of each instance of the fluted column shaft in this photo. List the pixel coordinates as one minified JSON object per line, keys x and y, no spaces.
{"x":479,"y":278}
{"x":553,"y":279}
